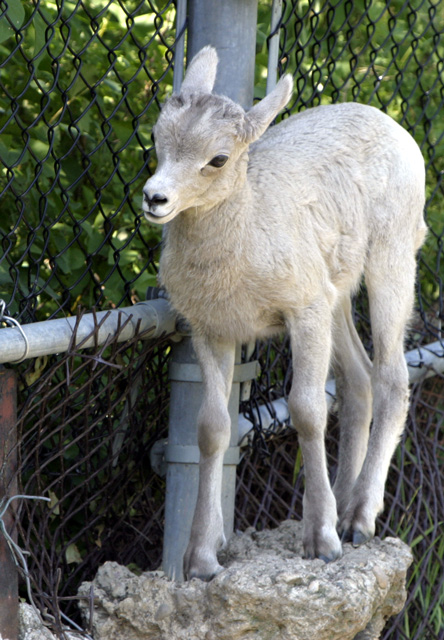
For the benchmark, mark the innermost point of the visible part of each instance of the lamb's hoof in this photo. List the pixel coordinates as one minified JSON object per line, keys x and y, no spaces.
{"x":360,"y":538}
{"x":327,"y":548}
{"x":326,"y":559}
{"x":357,"y":538}
{"x":200,"y":563}
{"x":331,"y":557}
{"x":204,"y":574}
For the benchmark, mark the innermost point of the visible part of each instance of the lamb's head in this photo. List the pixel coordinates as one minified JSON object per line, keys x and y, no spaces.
{"x":201,"y":142}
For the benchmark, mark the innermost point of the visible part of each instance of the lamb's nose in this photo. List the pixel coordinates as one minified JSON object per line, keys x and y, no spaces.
{"x":157,"y":198}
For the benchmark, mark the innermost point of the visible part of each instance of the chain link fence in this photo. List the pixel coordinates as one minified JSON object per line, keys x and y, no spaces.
{"x":81,"y":86}
{"x":87,"y":423}
{"x":271,"y":484}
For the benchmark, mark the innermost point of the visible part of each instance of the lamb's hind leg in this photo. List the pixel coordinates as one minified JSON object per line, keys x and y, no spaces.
{"x":353,"y":388}
{"x":311,"y":341}
{"x":214,"y":427}
{"x":390,"y":284}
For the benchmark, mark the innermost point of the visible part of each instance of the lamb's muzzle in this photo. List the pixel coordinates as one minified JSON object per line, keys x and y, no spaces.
{"x":153,"y":204}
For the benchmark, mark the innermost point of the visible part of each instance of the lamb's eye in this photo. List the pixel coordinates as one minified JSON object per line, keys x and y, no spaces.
{"x":218,"y":161}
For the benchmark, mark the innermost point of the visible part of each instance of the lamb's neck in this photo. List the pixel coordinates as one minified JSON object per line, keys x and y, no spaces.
{"x":218,"y":229}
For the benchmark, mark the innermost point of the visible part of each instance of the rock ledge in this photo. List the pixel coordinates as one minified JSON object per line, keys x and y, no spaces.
{"x":267,"y":592}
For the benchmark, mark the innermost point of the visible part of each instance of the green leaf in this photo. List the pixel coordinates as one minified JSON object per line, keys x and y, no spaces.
{"x":126,"y":257}
{"x":54,"y":504}
{"x":8,"y":153}
{"x":144,"y":281}
{"x":39,"y":39}
{"x":72,"y":554}
{"x":16,"y":14}
{"x":72,"y":260}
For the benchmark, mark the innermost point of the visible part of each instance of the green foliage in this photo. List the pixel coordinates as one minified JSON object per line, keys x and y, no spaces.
{"x":79,"y":99}
{"x":81,"y":87}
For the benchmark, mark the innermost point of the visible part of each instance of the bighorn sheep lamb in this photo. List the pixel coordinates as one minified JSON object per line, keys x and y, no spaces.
{"x":273,"y":230}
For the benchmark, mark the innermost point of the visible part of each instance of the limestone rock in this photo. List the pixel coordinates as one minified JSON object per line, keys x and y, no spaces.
{"x":267,"y":592}
{"x":32,"y":628}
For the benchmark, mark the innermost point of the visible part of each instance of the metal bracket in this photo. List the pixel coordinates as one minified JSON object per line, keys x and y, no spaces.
{"x":157,"y":458}
{"x":190,"y":454}
{"x":187,"y":372}
{"x":162,"y":453}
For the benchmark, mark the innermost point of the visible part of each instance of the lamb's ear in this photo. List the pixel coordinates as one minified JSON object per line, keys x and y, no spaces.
{"x":261,"y":115}
{"x":201,"y":72}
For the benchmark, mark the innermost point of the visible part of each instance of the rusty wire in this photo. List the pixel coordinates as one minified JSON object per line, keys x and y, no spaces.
{"x":87,"y":422}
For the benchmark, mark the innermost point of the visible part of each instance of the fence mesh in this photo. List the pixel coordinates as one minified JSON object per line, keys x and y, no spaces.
{"x":80,"y":90}
{"x":271,"y":483}
{"x":87,"y":423}
{"x":81,"y":85}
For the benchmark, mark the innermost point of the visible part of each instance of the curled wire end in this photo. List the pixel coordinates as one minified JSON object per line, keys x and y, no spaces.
{"x":12,"y":321}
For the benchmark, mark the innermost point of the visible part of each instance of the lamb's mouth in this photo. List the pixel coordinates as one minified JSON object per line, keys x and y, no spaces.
{"x":156,"y":215}
{"x":159,"y":218}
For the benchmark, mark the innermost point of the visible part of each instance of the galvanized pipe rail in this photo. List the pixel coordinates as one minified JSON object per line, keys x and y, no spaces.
{"x":422,"y":363}
{"x":150,"y":319}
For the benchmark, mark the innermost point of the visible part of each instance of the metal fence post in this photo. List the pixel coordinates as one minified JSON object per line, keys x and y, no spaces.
{"x":8,"y":488}
{"x":230,"y":26}
{"x":182,"y":475}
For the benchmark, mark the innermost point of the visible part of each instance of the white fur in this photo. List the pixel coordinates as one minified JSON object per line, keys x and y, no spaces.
{"x":280,"y":238}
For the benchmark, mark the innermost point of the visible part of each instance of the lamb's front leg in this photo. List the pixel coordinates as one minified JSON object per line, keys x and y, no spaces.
{"x":310,"y":332}
{"x":214,"y":427}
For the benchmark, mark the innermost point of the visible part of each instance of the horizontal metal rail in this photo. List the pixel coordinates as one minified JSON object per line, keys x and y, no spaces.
{"x":422,"y":363}
{"x":151,"y":319}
